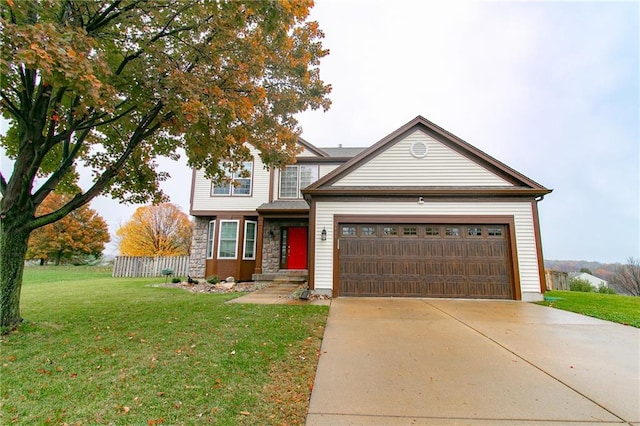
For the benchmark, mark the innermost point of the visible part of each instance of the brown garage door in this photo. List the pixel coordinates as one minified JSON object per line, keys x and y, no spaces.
{"x":466,"y":261}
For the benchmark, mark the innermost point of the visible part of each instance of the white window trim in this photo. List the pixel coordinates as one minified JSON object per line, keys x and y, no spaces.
{"x":244,"y":242}
{"x":231,"y":192}
{"x":235,"y":255}
{"x":298,"y":180}
{"x":211,"y":237}
{"x":280,"y":196}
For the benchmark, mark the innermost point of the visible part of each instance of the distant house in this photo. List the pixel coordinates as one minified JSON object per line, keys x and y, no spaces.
{"x":594,"y":281}
{"x":419,"y":213}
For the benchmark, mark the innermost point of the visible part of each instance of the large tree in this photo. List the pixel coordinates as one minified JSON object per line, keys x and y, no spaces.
{"x":160,"y":230}
{"x":112,"y":85}
{"x":83,"y":232}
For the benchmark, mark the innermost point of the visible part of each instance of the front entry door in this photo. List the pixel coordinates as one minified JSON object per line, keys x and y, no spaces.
{"x":294,"y":248}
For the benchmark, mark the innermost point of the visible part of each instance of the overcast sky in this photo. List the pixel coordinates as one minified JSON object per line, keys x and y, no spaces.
{"x":549,"y":88}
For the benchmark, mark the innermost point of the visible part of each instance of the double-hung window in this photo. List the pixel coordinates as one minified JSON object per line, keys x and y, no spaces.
{"x":249,"y":252}
{"x":238,"y":183}
{"x":211,"y":232}
{"x":228,"y":239}
{"x":295,"y":178}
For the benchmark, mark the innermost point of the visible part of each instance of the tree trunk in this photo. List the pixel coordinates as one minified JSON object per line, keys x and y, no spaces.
{"x":13,"y":247}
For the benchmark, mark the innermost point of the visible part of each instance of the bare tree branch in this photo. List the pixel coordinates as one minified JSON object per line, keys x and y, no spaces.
{"x":628,"y":276}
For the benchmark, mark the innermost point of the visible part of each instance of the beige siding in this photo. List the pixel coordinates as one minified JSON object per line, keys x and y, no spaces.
{"x":325,"y":169}
{"x":306,"y":153}
{"x":521,"y":211}
{"x":202,"y":199}
{"x":442,"y":166}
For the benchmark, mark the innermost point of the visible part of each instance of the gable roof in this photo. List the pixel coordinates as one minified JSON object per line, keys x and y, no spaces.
{"x":327,"y":155}
{"x":312,"y":148}
{"x":522,"y":185}
{"x":344,"y":152}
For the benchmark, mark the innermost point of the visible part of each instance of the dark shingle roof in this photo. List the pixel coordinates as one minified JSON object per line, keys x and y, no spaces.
{"x":343,"y":152}
{"x":285,"y":205}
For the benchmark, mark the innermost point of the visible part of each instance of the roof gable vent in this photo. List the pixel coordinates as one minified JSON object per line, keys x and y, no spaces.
{"x":418,"y":149}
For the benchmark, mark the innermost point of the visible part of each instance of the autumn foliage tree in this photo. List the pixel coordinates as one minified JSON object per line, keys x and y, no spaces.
{"x":112,"y":85}
{"x":83,"y":232}
{"x":161,"y":230}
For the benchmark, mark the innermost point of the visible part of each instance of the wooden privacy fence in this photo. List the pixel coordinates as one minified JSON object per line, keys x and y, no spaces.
{"x":146,"y":266}
{"x":557,"y":280}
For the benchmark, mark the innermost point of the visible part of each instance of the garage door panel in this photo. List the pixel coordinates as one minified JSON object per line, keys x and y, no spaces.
{"x":431,"y":248}
{"x":425,"y":260}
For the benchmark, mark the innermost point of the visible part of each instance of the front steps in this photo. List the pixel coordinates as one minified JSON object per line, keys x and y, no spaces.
{"x":285,"y":281}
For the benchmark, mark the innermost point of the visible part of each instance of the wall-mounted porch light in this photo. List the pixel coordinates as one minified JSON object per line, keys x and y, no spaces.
{"x":271,"y":234}
{"x":323,"y":234}
{"x":420,"y":200}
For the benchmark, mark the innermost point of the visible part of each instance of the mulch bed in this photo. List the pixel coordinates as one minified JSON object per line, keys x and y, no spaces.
{"x":205,"y":287}
{"x":243,"y":287}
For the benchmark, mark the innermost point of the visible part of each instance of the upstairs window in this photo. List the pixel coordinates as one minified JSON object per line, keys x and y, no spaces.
{"x":295,"y":178}
{"x":238,"y":183}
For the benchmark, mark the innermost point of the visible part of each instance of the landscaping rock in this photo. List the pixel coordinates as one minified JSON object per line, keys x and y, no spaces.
{"x":205,"y":287}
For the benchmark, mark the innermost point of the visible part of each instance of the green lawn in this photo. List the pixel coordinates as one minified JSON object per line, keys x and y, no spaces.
{"x":610,"y":307}
{"x":101,"y":350}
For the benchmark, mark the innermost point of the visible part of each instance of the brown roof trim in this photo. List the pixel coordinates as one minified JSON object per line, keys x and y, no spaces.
{"x":320,"y":160}
{"x":312,"y":148}
{"x":267,"y":212}
{"x":443,"y":136}
{"x":224,"y":213}
{"x":428,"y":191}
{"x":285,"y":214}
{"x":193,"y":185}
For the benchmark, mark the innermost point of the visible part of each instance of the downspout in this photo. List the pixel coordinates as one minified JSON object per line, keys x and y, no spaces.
{"x":538,"y":236}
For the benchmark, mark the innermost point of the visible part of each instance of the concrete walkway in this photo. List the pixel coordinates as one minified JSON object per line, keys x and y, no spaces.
{"x":388,"y":361}
{"x":277,"y":294}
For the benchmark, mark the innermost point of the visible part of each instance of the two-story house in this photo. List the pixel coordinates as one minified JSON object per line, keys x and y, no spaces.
{"x":419,"y":213}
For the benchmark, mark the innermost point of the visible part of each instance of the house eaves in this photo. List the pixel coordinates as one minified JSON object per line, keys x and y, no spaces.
{"x":312,"y":148}
{"x":426,"y":191}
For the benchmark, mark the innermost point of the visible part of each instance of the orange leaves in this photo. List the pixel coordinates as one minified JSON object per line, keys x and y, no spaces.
{"x":205,"y":78}
{"x":81,"y":232}
{"x":161,"y":230}
{"x":61,"y":55}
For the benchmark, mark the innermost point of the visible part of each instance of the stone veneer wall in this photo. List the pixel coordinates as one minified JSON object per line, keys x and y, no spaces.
{"x":271,"y":246}
{"x":199,"y":247}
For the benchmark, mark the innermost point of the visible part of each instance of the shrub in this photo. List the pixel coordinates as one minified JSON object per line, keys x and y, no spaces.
{"x":213,"y":279}
{"x":176,"y":280}
{"x":606,"y":290}
{"x":579,"y":284}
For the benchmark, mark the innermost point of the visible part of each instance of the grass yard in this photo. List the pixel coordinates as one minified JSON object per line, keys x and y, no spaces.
{"x":102,"y":350}
{"x":610,"y":307}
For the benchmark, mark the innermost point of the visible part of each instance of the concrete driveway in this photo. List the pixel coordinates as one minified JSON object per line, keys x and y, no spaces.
{"x":389,"y":361}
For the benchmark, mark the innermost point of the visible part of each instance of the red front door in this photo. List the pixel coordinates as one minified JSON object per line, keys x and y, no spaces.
{"x":297,"y":248}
